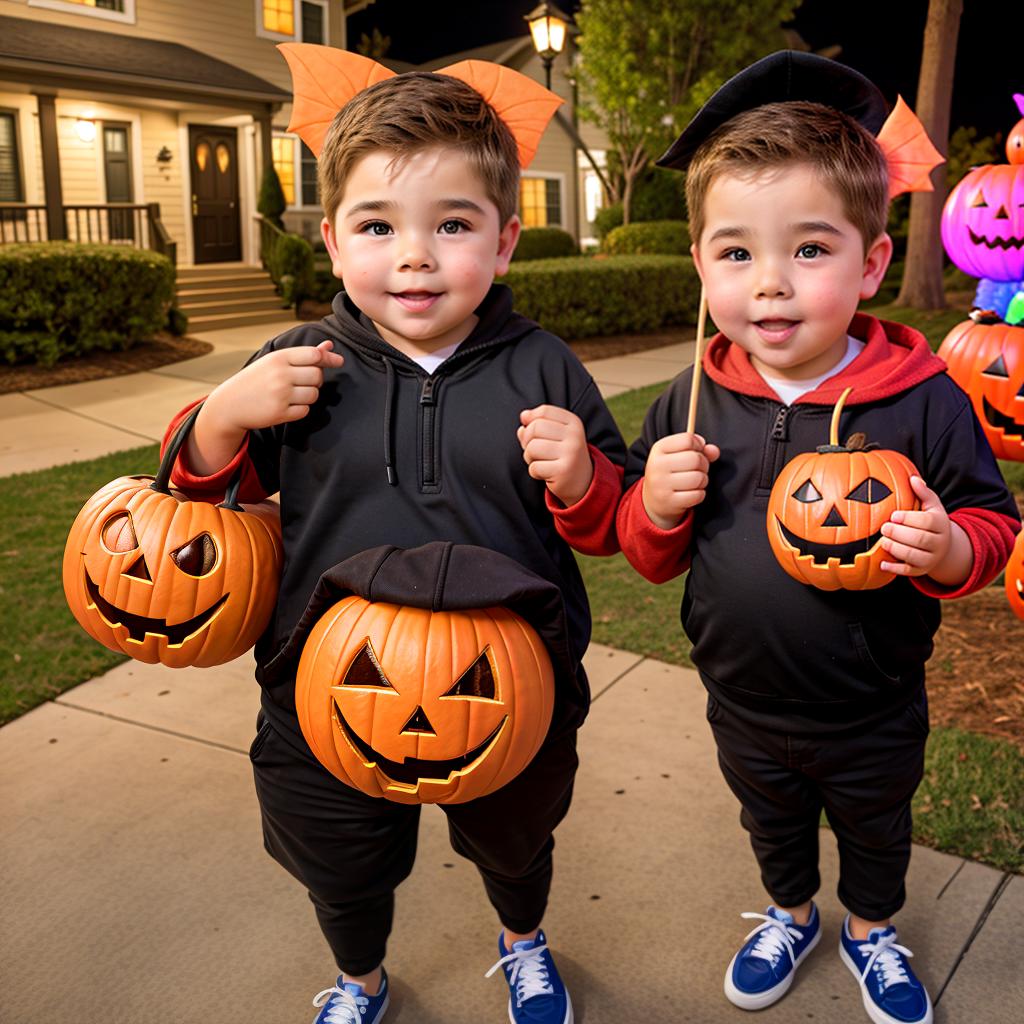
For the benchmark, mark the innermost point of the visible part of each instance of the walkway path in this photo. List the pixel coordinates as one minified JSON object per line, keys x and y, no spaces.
{"x":135,"y":887}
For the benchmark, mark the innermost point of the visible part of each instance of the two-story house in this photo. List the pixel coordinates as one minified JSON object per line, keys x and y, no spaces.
{"x":112,"y":108}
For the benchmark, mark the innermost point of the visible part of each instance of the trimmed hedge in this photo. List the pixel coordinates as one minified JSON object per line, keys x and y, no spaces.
{"x":61,"y":299}
{"x":544,"y":243}
{"x":587,"y":296}
{"x":289,"y":260}
{"x":665,"y":237}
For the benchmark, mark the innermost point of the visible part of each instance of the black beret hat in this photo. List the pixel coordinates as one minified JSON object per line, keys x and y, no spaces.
{"x":780,"y":78}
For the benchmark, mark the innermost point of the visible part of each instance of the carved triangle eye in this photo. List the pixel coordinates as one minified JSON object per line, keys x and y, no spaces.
{"x":118,"y":534}
{"x":979,"y":200}
{"x":997,"y":368}
{"x":197,"y":557}
{"x":365,"y":671}
{"x":477,"y":681}
{"x":870,"y":492}
{"x":807,"y":492}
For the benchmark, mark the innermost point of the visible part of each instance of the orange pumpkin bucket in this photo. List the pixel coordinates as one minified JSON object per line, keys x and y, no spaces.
{"x":151,"y":574}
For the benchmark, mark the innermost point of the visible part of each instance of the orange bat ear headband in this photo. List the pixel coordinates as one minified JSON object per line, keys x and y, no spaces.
{"x":791,"y":75}
{"x":325,"y":79}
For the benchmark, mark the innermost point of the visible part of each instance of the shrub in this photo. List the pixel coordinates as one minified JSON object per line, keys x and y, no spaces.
{"x":271,"y":202}
{"x":177,"y":321}
{"x":658,"y":194}
{"x":587,"y":297}
{"x":290,"y":256}
{"x":664,"y":237}
{"x":61,"y":299}
{"x":607,"y":218}
{"x":544,"y":243}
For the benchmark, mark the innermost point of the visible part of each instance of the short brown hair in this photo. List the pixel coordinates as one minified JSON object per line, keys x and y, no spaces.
{"x":411,"y":112}
{"x":845,"y":155}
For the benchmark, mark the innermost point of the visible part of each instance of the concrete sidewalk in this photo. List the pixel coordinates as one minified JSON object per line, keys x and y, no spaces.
{"x":135,"y":886}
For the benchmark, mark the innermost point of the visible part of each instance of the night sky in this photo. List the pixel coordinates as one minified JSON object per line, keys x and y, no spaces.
{"x":880,"y":38}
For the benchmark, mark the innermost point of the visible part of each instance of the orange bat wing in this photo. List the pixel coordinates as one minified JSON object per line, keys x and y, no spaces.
{"x":523,"y":104}
{"x":909,"y":151}
{"x":324,"y":79}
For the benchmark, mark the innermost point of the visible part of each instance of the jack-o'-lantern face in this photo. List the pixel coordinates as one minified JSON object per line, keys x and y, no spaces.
{"x":1015,"y":577}
{"x":983,"y":218}
{"x":420,"y":706}
{"x":168,"y":580}
{"x":826,"y":511}
{"x":987,"y":360}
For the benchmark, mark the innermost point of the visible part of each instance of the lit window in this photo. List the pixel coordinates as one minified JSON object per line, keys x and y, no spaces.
{"x":541,"y":202}
{"x":284,"y":164}
{"x":279,"y":16}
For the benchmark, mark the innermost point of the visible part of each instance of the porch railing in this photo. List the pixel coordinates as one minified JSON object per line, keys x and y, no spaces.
{"x":135,"y":224}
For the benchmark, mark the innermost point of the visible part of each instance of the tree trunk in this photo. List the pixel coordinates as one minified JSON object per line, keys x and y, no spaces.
{"x":922,"y":275}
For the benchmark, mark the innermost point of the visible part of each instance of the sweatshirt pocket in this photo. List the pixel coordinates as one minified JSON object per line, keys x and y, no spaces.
{"x":867,"y":659}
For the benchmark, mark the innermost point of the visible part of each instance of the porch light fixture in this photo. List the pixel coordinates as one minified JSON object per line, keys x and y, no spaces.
{"x":548,"y":26}
{"x":164,"y":156}
{"x":86,"y":129}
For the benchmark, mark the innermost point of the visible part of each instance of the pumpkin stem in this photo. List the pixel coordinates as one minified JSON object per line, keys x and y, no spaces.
{"x":833,"y":431}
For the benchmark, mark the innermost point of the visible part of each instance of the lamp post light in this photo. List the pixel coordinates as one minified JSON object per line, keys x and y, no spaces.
{"x":548,"y":26}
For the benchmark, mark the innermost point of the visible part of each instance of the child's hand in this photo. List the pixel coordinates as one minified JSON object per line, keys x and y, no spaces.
{"x":554,"y":446}
{"x":926,"y":542}
{"x":278,"y":388}
{"x":676,"y":477}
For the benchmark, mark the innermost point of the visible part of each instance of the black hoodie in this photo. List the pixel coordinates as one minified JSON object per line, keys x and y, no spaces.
{"x":392,"y":455}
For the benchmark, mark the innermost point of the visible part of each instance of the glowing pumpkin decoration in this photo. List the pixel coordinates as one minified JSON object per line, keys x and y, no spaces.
{"x":826,"y":511}
{"x":986,"y":358}
{"x":983,"y":219}
{"x":420,"y":706}
{"x":1015,"y":577}
{"x":153,"y":575}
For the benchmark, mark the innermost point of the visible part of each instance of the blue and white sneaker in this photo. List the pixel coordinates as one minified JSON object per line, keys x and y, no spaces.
{"x":536,"y":992}
{"x":891,"y":992}
{"x":347,"y":1003}
{"x":764,"y":968}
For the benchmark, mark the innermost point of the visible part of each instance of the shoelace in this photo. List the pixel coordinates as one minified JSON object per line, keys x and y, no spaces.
{"x":529,"y":975}
{"x":776,"y":936}
{"x":345,"y":1007}
{"x":885,"y":956}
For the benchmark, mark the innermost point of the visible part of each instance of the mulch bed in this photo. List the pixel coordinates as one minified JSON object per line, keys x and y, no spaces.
{"x":975,"y":681}
{"x":146,"y":355}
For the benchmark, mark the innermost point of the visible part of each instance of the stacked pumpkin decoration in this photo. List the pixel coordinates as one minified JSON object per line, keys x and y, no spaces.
{"x":151,"y":574}
{"x":1015,"y":577}
{"x":826,"y":510}
{"x":422,"y":706}
{"x":985,"y":357}
{"x":983,"y":228}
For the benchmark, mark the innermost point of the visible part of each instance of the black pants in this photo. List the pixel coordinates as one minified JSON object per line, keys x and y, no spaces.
{"x":863,"y":781}
{"x":351,"y":850}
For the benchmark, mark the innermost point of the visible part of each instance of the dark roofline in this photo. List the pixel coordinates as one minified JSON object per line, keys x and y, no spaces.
{"x":63,"y":55}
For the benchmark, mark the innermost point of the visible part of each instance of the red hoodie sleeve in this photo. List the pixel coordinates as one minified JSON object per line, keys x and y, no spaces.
{"x":589,"y":525}
{"x":991,"y":535}
{"x":212,"y":487}
{"x":658,"y":555}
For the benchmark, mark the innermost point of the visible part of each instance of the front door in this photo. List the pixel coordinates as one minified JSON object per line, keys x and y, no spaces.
{"x":215,"y":224}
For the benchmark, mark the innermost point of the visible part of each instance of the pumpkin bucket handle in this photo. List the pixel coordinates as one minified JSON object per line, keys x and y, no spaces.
{"x":163,"y":475}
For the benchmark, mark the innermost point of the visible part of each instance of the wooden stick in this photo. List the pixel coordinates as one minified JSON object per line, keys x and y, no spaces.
{"x":698,"y":356}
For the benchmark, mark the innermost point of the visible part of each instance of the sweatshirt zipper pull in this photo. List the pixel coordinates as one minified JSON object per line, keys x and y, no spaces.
{"x":427,"y":392}
{"x":779,"y":426}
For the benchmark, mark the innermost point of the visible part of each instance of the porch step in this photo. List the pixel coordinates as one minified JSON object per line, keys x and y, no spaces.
{"x":209,"y":292}
{"x":230,"y":302}
{"x":215,"y":322}
{"x":218,"y":270}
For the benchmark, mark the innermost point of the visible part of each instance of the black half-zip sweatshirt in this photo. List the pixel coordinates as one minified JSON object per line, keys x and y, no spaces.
{"x":779,"y":653}
{"x":392,"y":455}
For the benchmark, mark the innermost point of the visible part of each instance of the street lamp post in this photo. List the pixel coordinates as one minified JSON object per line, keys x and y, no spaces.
{"x":548,"y":27}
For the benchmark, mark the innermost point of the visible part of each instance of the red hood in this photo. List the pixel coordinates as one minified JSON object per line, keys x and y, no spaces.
{"x":895,"y":358}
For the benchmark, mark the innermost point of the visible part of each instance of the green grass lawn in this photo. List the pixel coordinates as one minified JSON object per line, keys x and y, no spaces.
{"x":971,"y":803}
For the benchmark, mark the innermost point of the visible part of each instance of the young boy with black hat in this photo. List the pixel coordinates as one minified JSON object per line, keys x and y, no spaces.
{"x":816,"y":698}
